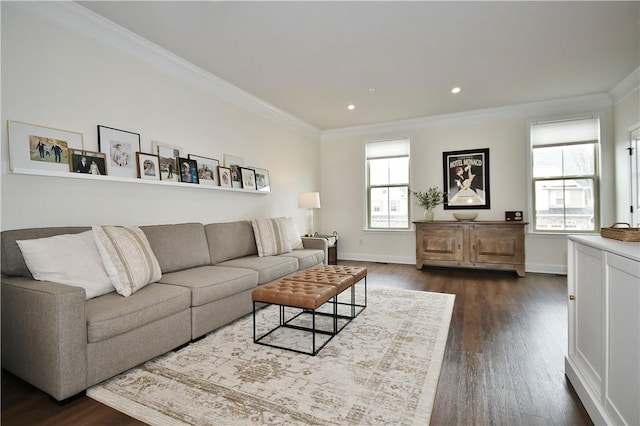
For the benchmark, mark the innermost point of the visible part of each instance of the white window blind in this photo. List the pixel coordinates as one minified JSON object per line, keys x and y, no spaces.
{"x":385,"y":149}
{"x":564,"y":132}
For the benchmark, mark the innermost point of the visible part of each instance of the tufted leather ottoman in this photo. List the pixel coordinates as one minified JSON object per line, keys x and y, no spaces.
{"x":357,"y":272}
{"x":340,"y":282}
{"x":307,"y":296}
{"x":297,"y":294}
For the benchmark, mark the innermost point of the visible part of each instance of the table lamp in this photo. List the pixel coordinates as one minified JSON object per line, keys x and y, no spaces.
{"x":309,"y":201}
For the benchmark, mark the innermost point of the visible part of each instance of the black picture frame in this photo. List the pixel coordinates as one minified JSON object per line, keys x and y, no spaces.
{"x":95,"y":164}
{"x":248,"y":177}
{"x":120,"y":147}
{"x":188,"y":170}
{"x":466,"y":179}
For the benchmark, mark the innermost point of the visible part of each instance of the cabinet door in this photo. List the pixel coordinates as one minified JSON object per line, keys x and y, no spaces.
{"x":623,"y":338}
{"x":440,"y":244}
{"x":586,"y":315}
{"x":497,"y":244}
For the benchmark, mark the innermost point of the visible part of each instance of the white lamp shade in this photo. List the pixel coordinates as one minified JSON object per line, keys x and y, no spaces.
{"x":309,"y":200}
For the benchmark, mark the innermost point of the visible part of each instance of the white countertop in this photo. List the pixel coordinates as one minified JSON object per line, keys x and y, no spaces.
{"x":621,"y":248}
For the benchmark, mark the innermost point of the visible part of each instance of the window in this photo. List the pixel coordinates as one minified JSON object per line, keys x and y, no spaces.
{"x":387,"y":184}
{"x":565,"y":175}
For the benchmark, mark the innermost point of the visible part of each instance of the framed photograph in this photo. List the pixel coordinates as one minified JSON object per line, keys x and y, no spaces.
{"x":40,"y":148}
{"x":188,"y":170}
{"x":263,"y":182}
{"x":207,"y":170}
{"x":248,"y":178}
{"x":88,"y":162}
{"x":224,"y":176}
{"x":168,"y":155}
{"x":120,"y":147}
{"x":466,"y":179}
{"x":232,"y":160}
{"x":148,"y":166}
{"x":236,"y":176}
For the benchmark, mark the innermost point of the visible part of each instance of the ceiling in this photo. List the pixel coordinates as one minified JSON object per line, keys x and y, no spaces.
{"x":395,"y":60}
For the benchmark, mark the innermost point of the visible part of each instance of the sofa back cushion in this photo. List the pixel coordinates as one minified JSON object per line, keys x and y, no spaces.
{"x":177,"y":247}
{"x":12,"y":261}
{"x":230,"y":240}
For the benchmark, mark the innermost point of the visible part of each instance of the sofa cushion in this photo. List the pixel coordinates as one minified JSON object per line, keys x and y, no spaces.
{"x":211,"y":283}
{"x":12,"y":260}
{"x":169,"y":243}
{"x":306,"y":257}
{"x":111,"y":315}
{"x":127,"y":257}
{"x":230,"y":240}
{"x":271,"y":237}
{"x":70,"y":259}
{"x":268,"y":268}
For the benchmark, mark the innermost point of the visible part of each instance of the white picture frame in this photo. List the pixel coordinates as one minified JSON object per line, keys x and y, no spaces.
{"x":263,"y":181}
{"x":168,"y":155}
{"x":32,"y":146}
{"x":207,"y":170}
{"x":232,"y":160}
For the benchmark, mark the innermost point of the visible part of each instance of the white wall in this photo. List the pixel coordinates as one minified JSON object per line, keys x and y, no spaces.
{"x":58,"y":77}
{"x":502,"y":130}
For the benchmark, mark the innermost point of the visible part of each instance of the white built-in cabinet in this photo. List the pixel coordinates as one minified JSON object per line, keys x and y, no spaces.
{"x":603,"y":359}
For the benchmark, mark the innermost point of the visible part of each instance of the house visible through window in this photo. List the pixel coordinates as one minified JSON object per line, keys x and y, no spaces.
{"x":565,"y":175}
{"x":388,"y":184}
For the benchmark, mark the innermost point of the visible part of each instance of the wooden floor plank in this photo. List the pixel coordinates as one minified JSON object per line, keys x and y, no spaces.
{"x":504,"y":362}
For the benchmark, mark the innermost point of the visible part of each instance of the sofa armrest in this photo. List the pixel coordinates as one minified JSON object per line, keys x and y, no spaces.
{"x":44,"y":336}
{"x":317,"y":243}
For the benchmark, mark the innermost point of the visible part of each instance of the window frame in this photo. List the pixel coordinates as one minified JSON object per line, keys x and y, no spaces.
{"x":388,"y":186}
{"x":594,"y":176}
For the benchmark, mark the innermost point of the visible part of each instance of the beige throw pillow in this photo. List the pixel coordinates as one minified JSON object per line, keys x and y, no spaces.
{"x":292,"y":232}
{"x":70,"y":259}
{"x":127,"y":257}
{"x":271,"y":238}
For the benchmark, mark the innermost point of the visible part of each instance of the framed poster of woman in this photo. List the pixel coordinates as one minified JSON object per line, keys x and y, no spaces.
{"x":466,"y":179}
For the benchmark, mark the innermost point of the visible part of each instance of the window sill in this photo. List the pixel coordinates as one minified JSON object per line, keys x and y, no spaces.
{"x":385,"y":231}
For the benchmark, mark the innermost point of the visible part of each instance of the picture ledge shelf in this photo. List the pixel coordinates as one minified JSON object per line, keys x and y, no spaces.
{"x":71,"y":175}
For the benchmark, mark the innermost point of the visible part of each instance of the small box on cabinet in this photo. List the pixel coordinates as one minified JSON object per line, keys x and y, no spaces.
{"x":513,"y":216}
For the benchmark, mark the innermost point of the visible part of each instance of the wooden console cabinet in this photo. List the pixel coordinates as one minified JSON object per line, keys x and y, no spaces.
{"x":482,"y":244}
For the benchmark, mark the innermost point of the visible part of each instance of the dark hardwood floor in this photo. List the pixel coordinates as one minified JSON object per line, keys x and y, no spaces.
{"x":504,"y":362}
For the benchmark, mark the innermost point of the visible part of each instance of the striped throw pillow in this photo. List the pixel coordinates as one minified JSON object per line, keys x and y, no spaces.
{"x":127,"y":258}
{"x":271,"y":237}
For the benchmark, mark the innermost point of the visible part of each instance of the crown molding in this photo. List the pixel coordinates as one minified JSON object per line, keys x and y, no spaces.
{"x":81,"y":20}
{"x":478,"y":116}
{"x":627,"y":86}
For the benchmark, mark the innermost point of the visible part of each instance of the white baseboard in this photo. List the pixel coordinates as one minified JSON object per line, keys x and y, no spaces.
{"x":403,"y":260}
{"x":406,"y":260}
{"x":546,"y":268}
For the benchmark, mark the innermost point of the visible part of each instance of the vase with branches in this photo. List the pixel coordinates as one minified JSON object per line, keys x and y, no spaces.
{"x":429,"y":199}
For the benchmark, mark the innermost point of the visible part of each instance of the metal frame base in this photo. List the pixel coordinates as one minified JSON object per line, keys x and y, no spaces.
{"x":286,"y":323}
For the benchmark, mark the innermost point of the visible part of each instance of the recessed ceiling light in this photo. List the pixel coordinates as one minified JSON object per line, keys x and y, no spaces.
{"x":372,"y":89}
{"x":456,"y":90}
{"x":351,"y":107}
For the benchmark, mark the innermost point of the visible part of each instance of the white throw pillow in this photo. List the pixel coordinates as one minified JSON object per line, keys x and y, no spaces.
{"x":71,"y":259}
{"x":292,"y":232}
{"x":271,"y":238}
{"x":127,"y":258}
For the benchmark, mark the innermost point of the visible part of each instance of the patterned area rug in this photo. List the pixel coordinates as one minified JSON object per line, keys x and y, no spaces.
{"x":382,"y":368}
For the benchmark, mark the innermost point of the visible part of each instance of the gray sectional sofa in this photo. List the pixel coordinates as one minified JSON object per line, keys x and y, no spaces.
{"x":56,"y":340}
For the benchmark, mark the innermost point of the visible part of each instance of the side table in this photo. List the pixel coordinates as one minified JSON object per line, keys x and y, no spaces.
{"x":332,"y":256}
